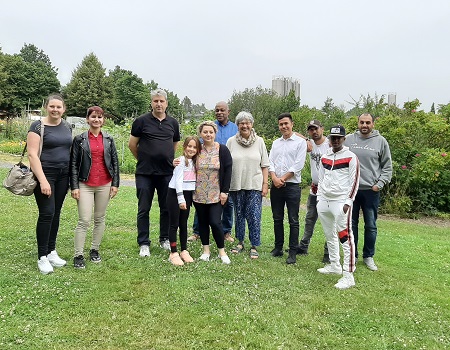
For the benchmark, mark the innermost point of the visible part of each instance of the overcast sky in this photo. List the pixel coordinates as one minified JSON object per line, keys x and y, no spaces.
{"x":207,"y":49}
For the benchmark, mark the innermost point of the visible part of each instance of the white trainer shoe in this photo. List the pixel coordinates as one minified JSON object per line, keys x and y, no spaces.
{"x":55,"y":260}
{"x":44,"y":265}
{"x":204,"y":257}
{"x":144,"y":250}
{"x":370,"y":264}
{"x":346,"y":281}
{"x":165,"y":244}
{"x":329,"y":269}
{"x":225,"y":259}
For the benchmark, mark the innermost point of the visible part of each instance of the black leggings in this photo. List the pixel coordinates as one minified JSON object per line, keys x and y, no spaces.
{"x":50,"y":208}
{"x":178,"y":218}
{"x":210,"y":215}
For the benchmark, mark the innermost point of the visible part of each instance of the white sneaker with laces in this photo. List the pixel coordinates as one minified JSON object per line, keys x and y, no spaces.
{"x":144,"y":250}
{"x":225,"y":259}
{"x":165,"y":244}
{"x":44,"y":265}
{"x":204,"y":257}
{"x":55,"y":260}
{"x":370,"y":264}
{"x":346,"y":281}
{"x":329,"y":269}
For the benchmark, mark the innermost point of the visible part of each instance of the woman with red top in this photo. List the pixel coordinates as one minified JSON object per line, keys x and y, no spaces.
{"x":94,"y":180}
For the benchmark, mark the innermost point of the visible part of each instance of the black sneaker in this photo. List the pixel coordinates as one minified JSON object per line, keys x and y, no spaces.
{"x":276,"y":252}
{"x":94,"y":256}
{"x":302,"y":251}
{"x":78,"y":262}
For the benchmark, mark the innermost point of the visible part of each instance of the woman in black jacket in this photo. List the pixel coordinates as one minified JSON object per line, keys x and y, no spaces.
{"x":94,"y":180}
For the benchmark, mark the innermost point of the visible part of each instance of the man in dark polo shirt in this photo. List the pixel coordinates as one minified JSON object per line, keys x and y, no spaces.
{"x":154,"y":138}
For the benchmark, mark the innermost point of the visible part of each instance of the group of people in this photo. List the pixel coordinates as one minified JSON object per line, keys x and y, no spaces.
{"x":87,"y":163}
{"x":224,"y":169}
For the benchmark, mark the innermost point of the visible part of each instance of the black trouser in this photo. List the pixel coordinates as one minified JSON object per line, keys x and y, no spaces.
{"x":210,"y":215}
{"x":289,"y":195}
{"x":50,"y":208}
{"x":178,"y":218}
{"x":145,"y":190}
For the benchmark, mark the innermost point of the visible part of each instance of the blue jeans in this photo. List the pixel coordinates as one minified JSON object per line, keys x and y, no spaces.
{"x":145,"y":190}
{"x":227,"y":218}
{"x":289,"y":195}
{"x":368,"y":201}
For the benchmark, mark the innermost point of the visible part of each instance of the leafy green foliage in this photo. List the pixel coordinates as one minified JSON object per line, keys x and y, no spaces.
{"x":26,"y":79}
{"x":130,"y":96}
{"x":265,"y":106}
{"x":87,"y":87}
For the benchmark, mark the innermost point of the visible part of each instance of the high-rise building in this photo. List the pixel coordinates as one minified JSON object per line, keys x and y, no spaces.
{"x":283,"y":85}
{"x":392,"y":98}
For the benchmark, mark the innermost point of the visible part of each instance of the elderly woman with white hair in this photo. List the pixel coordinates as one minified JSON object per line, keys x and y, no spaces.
{"x":248,"y":181}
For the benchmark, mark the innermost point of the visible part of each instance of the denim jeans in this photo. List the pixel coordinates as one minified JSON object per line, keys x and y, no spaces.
{"x":145,"y":190}
{"x":50,"y":208}
{"x":368,"y":201}
{"x":310,"y":222}
{"x":289,"y":195}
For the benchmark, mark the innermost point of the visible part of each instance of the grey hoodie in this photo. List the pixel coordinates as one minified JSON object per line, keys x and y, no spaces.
{"x":374,"y":158}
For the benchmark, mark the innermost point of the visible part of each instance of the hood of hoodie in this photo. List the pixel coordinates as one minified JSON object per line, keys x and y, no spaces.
{"x":374,"y":133}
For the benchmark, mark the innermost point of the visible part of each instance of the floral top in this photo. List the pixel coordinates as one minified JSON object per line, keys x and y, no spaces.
{"x":207,"y":190}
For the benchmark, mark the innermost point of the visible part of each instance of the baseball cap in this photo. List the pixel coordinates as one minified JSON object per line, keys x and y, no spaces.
{"x":337,"y":130}
{"x":314,"y":123}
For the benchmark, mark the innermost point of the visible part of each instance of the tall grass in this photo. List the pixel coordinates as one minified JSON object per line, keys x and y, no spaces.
{"x":127,"y":302}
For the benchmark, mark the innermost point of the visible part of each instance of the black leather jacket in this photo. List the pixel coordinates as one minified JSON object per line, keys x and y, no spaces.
{"x":81,"y":160}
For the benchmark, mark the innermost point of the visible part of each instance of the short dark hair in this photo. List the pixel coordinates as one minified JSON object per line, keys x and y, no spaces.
{"x":285,"y":115}
{"x":367,"y":114}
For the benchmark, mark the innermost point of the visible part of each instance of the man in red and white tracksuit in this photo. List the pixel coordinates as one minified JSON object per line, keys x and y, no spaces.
{"x":338,"y":184}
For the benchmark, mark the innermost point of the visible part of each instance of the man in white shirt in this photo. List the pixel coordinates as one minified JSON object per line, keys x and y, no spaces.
{"x":287,"y":158}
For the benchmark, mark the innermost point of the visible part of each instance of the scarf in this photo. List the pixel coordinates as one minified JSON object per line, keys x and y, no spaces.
{"x":246,"y":142}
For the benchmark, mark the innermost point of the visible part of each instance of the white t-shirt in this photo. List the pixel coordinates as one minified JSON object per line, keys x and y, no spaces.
{"x":314,"y":157}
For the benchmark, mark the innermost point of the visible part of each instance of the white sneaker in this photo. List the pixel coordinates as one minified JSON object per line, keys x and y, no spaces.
{"x":144,"y":250}
{"x":329,"y":269}
{"x":204,"y":257}
{"x":44,"y":265}
{"x":346,"y":281}
{"x":55,"y":260}
{"x":225,"y":259}
{"x":370,"y":264}
{"x":165,"y":244}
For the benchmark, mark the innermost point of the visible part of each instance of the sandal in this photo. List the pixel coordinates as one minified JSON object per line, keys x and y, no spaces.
{"x":238,"y":249}
{"x":254,"y":254}
{"x":175,"y":259}
{"x":186,"y":257}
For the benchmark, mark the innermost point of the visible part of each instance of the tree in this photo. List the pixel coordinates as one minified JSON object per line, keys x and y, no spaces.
{"x":26,"y":82}
{"x":31,"y":54}
{"x":265,"y":106}
{"x":130,"y":96}
{"x":432,"y":110}
{"x":88,"y":86}
{"x":187,"y":104}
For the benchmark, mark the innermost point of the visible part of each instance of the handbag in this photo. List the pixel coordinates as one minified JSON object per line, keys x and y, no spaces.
{"x":20,"y":179}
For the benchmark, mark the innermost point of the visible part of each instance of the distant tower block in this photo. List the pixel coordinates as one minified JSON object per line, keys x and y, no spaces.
{"x":392,"y":98}
{"x":283,"y":86}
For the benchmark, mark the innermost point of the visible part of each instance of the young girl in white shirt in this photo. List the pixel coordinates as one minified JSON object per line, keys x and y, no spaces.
{"x":179,"y":200}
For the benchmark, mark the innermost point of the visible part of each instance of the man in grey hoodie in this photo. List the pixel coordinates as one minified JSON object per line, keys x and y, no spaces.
{"x":375,"y":160}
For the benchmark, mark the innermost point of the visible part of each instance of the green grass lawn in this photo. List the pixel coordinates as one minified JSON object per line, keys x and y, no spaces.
{"x":127,"y":302}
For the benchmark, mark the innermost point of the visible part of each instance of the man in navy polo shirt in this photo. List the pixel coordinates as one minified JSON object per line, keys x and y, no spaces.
{"x":153,"y":141}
